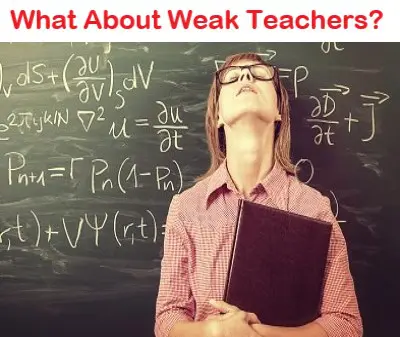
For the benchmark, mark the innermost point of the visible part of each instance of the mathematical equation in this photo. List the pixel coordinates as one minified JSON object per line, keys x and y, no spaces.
{"x":102,"y":94}
{"x":127,"y":174}
{"x":93,"y":78}
{"x":125,"y":232}
{"x":90,"y":80}
{"x":322,"y":117}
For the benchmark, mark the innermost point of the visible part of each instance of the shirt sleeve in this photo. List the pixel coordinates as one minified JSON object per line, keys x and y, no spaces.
{"x":340,"y":316}
{"x":174,"y":301}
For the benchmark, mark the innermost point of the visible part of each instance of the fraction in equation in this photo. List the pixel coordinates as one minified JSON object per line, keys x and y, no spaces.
{"x":169,"y":127}
{"x":323,"y":119}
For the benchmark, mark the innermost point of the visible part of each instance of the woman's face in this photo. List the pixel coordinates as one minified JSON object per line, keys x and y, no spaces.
{"x":247,"y":98}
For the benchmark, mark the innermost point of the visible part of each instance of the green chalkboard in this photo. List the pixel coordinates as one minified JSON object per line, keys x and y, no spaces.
{"x":96,"y":138}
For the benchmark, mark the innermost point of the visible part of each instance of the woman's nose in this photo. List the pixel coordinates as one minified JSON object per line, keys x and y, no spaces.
{"x":246,"y":75}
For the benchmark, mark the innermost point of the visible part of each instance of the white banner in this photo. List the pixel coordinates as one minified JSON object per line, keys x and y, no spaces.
{"x":179,"y":20}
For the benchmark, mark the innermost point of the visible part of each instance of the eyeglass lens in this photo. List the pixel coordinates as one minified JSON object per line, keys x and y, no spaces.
{"x":259,"y":71}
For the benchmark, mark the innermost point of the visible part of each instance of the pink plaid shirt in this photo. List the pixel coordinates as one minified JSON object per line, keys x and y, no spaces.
{"x":198,"y":237}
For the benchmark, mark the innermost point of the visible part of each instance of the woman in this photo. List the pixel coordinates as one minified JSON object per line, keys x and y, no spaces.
{"x":248,"y":130}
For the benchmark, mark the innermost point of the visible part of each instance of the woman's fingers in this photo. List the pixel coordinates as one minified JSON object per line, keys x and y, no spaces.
{"x":223,"y":306}
{"x":252,"y":318}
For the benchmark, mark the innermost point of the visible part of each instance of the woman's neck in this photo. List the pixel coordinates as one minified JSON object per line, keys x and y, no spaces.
{"x":250,"y":156}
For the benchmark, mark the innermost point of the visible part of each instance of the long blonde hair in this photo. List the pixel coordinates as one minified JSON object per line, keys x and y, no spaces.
{"x":216,"y":136}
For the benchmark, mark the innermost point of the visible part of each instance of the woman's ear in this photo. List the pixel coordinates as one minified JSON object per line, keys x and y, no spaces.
{"x":278,"y":117}
{"x":220,"y":122}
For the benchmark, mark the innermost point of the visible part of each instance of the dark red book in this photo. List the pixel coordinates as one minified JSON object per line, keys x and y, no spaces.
{"x":277,"y":265}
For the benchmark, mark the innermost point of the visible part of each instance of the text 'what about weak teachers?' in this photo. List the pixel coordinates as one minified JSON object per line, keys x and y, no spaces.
{"x":189,"y":20}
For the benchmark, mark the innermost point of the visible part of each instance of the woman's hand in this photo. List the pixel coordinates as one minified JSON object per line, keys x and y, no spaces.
{"x":232,"y":322}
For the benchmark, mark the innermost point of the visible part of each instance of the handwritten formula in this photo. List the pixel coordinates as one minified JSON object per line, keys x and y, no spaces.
{"x":87,"y":126}
{"x":143,"y":228}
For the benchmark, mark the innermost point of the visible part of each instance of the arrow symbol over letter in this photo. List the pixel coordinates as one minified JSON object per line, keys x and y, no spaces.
{"x":380,"y":96}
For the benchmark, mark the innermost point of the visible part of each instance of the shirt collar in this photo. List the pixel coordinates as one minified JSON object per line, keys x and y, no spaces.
{"x":218,"y":179}
{"x":274,"y":184}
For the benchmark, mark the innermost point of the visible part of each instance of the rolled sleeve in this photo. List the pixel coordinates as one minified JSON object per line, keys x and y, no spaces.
{"x":174,"y":301}
{"x":340,"y":316}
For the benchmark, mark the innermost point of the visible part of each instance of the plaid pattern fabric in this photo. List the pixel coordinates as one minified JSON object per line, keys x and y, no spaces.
{"x":197,"y":244}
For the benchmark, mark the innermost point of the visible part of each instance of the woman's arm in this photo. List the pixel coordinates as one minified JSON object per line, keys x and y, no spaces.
{"x":192,"y":329}
{"x":174,"y":301}
{"x":175,"y":307}
{"x":340,"y":315}
{"x":308,"y":330}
